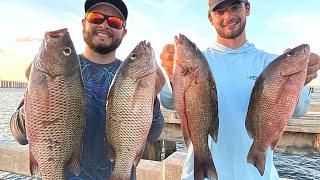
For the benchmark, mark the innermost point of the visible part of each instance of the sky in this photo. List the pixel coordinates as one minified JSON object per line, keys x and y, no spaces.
{"x":272,"y":26}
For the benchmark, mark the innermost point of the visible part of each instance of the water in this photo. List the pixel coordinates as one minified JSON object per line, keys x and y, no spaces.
{"x":288,"y":165}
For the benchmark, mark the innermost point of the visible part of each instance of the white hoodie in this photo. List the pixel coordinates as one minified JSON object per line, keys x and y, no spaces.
{"x":235,"y":73}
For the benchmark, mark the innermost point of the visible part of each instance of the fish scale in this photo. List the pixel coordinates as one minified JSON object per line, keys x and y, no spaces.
{"x":55,"y":107}
{"x":130,"y":105}
{"x":195,"y":99}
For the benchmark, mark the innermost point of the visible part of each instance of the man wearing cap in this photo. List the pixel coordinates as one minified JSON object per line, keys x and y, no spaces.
{"x":103,"y":30}
{"x":236,"y":64}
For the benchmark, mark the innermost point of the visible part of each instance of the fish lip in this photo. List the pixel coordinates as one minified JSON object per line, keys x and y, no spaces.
{"x":179,"y":39}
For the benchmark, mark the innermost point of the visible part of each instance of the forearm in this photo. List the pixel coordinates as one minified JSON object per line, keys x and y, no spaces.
{"x":157,"y":122}
{"x":304,"y":103}
{"x":166,"y":97}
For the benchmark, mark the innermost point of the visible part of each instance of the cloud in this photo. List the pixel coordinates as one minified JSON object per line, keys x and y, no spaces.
{"x":23,"y":39}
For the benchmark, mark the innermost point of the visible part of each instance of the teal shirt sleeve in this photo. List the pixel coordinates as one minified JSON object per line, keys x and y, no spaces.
{"x":166,"y":97}
{"x":304,"y":102}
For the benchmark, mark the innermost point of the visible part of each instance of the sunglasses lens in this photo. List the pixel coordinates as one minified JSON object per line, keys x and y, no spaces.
{"x":115,"y":22}
{"x":95,"y":18}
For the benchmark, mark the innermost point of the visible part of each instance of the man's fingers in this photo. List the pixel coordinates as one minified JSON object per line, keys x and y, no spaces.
{"x":167,"y":58}
{"x":168,"y":48}
{"x":312,"y":69}
{"x":314,"y":59}
{"x":310,"y":77}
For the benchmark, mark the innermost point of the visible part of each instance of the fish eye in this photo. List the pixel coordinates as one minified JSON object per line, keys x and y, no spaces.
{"x":133,"y":56}
{"x":67,"y":51}
{"x":289,"y":54}
{"x":192,"y":46}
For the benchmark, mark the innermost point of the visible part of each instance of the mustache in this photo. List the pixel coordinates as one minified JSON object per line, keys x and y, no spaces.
{"x":231,"y":21}
{"x":104,"y":32}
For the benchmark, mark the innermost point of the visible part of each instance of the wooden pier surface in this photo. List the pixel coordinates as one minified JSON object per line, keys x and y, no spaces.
{"x":12,"y":84}
{"x":301,"y":136}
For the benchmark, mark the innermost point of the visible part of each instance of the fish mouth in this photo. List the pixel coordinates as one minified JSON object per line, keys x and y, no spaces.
{"x":178,"y":40}
{"x":306,"y":50}
{"x":56,"y":34}
{"x":302,"y":49}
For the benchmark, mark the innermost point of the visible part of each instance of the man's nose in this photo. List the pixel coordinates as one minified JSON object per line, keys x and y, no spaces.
{"x":104,"y":24}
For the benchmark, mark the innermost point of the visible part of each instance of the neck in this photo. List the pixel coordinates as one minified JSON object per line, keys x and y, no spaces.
{"x":235,"y":43}
{"x":99,"y":58}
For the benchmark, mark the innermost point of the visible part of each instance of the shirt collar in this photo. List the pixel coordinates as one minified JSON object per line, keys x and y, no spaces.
{"x":226,"y":50}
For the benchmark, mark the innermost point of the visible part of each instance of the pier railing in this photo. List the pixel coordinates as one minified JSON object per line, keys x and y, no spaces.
{"x":12,"y":84}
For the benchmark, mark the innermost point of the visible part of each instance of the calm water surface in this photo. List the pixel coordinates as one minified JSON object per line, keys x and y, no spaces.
{"x":288,"y":165}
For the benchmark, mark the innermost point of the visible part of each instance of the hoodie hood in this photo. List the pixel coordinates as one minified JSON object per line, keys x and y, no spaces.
{"x":245,"y":48}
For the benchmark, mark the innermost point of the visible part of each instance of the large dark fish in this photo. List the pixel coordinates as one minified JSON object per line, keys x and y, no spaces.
{"x":55,"y":107}
{"x":195,"y":99}
{"x":130,"y":105}
{"x":273,"y":100}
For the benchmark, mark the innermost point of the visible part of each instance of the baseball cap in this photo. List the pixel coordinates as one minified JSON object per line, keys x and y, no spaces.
{"x":214,"y":3}
{"x":117,"y":4}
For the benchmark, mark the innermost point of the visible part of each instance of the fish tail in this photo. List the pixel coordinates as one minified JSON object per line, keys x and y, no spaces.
{"x":118,"y":174}
{"x":204,"y":167}
{"x":76,"y":160}
{"x":120,"y":177}
{"x":257,"y":157}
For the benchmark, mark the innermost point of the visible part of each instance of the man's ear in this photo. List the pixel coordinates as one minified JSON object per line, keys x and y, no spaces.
{"x":83,"y":23}
{"x":124,"y":32}
{"x":210,"y":18}
{"x":247,"y":8}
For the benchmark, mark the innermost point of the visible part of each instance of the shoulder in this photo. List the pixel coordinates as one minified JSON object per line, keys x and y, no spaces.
{"x":247,"y":51}
{"x":265,"y":57}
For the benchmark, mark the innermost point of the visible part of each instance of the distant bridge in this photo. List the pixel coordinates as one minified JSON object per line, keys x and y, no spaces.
{"x":12,"y":84}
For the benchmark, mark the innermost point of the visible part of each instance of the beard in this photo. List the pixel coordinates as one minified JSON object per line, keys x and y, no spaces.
{"x":101,"y":49}
{"x":233,"y":34}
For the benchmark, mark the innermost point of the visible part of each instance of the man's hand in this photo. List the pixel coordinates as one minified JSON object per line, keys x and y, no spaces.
{"x":166,"y":57}
{"x":313,"y":67}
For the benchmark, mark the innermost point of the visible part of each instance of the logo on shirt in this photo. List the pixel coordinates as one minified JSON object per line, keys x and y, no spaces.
{"x":253,"y":77}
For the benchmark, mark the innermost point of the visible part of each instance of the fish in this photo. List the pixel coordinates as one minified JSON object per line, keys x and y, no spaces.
{"x":129,"y":109}
{"x":55,"y":107}
{"x":195,"y":100}
{"x":273,"y":99}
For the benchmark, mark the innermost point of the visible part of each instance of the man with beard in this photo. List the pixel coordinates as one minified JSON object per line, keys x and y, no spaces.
{"x":103,"y":30}
{"x":236,"y":64}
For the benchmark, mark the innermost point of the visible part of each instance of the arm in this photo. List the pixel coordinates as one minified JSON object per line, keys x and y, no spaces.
{"x":304,"y":103}
{"x":157,"y":122}
{"x":166,"y":97}
{"x":166,"y":57}
{"x":17,"y":125}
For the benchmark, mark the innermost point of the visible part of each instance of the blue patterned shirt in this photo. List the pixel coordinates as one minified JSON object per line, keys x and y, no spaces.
{"x":97,"y":79}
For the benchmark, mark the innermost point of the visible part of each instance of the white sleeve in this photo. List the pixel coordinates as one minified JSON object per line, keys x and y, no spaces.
{"x":166,"y":97}
{"x":304,"y":102}
{"x":188,"y":167}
